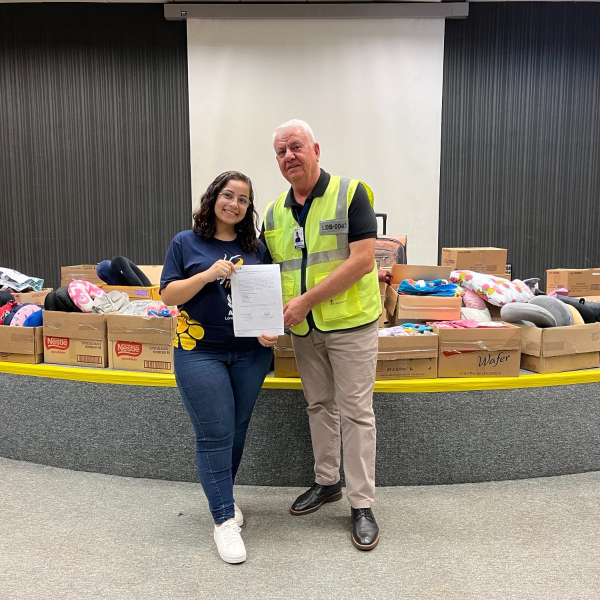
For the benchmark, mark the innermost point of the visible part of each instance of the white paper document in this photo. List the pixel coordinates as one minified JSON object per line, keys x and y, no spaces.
{"x":256,"y":300}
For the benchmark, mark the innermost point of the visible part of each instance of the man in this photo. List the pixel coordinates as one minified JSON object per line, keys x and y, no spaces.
{"x":322,"y":232}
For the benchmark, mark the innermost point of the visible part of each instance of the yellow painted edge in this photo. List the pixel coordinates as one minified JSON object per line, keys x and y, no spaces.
{"x":111,"y":376}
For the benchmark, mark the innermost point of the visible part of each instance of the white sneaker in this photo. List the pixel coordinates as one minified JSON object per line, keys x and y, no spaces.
{"x":229,"y":542}
{"x":239,"y":517}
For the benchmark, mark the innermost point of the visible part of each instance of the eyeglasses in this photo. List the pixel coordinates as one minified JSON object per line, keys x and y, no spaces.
{"x":241,"y":200}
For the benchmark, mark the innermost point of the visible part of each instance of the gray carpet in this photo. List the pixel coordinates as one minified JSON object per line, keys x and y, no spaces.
{"x":74,"y":535}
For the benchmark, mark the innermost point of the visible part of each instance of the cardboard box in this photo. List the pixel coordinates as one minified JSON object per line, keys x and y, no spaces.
{"x":75,"y":339}
{"x":480,"y":352}
{"x":153,"y":273}
{"x":579,"y":282}
{"x":285,"y":359}
{"x":557,"y":349}
{"x":88,"y":273}
{"x":141,"y":344}
{"x":32,"y":297}
{"x":407,"y":357}
{"x":135,"y":293}
{"x":408,"y":309}
{"x":84,"y":272}
{"x":21,"y":344}
{"x":482,"y":260}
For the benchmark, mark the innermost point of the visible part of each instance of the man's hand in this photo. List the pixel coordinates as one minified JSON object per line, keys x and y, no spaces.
{"x":267,"y":340}
{"x":295,"y":311}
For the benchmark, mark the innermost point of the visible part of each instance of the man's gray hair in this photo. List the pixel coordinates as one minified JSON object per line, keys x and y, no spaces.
{"x":296,"y":123}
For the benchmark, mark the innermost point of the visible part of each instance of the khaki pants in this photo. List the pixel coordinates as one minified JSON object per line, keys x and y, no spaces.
{"x":338,"y":375}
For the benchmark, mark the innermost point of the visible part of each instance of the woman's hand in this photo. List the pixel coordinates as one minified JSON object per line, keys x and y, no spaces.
{"x":180,"y":291}
{"x":268,"y":340}
{"x":222,"y":268}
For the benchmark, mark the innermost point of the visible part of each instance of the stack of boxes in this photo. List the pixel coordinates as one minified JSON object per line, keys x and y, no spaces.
{"x":482,"y":260}
{"x":142,"y":344}
{"x":132,"y":343}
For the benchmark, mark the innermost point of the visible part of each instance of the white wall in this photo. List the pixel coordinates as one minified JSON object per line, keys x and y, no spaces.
{"x":371,"y":90}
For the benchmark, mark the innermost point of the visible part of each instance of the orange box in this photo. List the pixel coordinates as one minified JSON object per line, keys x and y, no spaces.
{"x":139,"y":343}
{"x":21,"y":344}
{"x":75,"y":339}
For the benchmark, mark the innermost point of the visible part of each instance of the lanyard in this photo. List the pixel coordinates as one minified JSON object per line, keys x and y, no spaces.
{"x":300,"y":218}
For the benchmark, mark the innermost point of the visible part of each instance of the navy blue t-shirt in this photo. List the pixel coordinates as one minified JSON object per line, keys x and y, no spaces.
{"x":206,"y":320}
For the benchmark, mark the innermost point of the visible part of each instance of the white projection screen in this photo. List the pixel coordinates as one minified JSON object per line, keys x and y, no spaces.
{"x":371,"y":89}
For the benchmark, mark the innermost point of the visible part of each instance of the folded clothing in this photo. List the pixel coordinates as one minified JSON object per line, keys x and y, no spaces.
{"x":469,"y":324}
{"x":13,"y":280}
{"x":112,"y":302}
{"x":433,"y":287}
{"x":149,"y":308}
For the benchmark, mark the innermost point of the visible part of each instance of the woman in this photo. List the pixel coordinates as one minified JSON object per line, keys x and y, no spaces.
{"x":218,"y":375}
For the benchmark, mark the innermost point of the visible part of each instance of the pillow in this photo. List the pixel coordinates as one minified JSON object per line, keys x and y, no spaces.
{"x":480,"y":316}
{"x":8,"y":317}
{"x":24,"y":312}
{"x":525,"y":311}
{"x":63,"y":301}
{"x":105,"y":272}
{"x":495,"y":290}
{"x":473,"y":300}
{"x":595,"y":306}
{"x":5,"y":297}
{"x":83,"y":294}
{"x":128,"y":273}
{"x":577,"y":318}
{"x":50,"y":301}
{"x":559,"y":310}
{"x":582,"y":307}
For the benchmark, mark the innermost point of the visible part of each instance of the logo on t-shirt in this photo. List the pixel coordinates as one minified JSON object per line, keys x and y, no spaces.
{"x":226,"y":282}
{"x":230,"y":313}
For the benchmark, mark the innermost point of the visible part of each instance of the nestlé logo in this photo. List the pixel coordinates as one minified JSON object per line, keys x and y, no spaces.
{"x":128,"y":349}
{"x":56,"y":343}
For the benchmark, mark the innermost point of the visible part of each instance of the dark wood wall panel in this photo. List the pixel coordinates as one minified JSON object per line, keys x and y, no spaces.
{"x":94,"y":134}
{"x":520,"y":164}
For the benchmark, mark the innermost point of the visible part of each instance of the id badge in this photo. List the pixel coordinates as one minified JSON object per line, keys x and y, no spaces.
{"x":299,"y":237}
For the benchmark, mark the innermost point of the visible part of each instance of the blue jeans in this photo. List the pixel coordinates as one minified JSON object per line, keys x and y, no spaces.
{"x":219,"y":391}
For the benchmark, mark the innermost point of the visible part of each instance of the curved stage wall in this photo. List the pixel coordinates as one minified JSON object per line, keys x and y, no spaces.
{"x":428,"y":432}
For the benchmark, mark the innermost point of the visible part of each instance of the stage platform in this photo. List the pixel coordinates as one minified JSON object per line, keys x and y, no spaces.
{"x":437,"y":431}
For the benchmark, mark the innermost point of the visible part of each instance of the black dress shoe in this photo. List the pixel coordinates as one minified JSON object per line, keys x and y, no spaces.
{"x":315,"y":496}
{"x":365,"y":533}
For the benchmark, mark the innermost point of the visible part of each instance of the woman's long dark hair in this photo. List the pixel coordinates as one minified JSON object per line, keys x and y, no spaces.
{"x":204,"y":218}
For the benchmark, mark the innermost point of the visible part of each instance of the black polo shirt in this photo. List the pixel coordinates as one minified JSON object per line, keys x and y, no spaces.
{"x":362,"y":223}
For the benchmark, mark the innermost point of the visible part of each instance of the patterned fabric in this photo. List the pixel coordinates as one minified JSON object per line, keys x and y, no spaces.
{"x":434,"y":287}
{"x":492,"y":289}
{"x":83,"y":294}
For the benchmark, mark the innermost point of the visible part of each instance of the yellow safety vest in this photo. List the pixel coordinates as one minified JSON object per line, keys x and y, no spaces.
{"x":326,"y":247}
